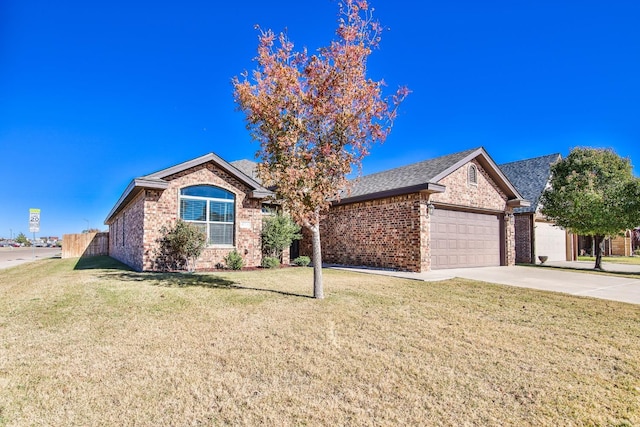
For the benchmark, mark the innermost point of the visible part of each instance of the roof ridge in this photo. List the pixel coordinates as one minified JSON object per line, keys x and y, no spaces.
{"x":421,"y":162}
{"x":532,"y":158}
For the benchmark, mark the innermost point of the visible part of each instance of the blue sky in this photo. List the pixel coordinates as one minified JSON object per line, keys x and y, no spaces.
{"x":93,"y":94}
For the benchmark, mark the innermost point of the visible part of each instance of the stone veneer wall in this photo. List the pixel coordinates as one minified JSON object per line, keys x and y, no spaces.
{"x":524,"y":235}
{"x":153,"y":209}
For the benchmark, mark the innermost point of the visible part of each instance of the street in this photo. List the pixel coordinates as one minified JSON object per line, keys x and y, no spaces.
{"x":10,"y":256}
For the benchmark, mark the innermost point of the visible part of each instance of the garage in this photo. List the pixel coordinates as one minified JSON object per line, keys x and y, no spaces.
{"x":464,"y":239}
{"x":550,"y":241}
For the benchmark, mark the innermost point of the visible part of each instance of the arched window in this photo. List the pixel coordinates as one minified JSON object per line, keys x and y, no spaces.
{"x":473,"y":174}
{"x":212,"y":209}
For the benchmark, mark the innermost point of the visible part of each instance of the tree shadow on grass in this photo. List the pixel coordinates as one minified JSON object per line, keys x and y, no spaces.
{"x":183,"y":280}
{"x":119,"y":271}
{"x":100,"y":263}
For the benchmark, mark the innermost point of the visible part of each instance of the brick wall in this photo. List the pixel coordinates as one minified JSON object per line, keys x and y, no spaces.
{"x":382,"y":233}
{"x":126,"y":234}
{"x":393,"y":232}
{"x":485,"y":194}
{"x":144,"y":217}
{"x":523,"y":238}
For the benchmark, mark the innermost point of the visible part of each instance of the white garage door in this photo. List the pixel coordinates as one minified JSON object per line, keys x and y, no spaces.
{"x":464,"y":239}
{"x":550,"y":241}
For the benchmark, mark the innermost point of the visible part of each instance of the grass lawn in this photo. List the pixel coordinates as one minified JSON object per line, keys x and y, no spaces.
{"x":635,"y":260}
{"x":91,"y":343}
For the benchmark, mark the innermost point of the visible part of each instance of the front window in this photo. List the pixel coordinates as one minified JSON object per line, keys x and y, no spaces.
{"x":269,"y":209}
{"x":212,"y":209}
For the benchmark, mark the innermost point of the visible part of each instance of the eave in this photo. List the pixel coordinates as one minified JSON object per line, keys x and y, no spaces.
{"x":428,"y":187}
{"x":133,"y":189}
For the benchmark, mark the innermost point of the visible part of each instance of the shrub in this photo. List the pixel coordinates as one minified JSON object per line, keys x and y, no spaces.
{"x":270,"y":262}
{"x":277,"y":234}
{"x":234,"y":260}
{"x":302,"y":261}
{"x":180,"y":246}
{"x":637,"y":252}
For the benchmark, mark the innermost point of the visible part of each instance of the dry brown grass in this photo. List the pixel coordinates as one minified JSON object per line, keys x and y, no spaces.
{"x":106,"y":346}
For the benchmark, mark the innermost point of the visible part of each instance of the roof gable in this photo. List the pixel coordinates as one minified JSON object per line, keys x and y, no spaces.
{"x":247,"y":167}
{"x":530,"y":177}
{"x":425,"y":176}
{"x":211,"y":157}
{"x":157,"y":180}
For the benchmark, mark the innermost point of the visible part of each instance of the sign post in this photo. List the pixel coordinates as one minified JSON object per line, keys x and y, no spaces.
{"x":34,"y":226}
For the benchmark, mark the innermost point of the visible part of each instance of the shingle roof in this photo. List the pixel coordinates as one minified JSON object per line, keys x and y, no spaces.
{"x":247,"y":167}
{"x":157,"y":180}
{"x":530,"y":177}
{"x":420,"y":173}
{"x":420,"y":176}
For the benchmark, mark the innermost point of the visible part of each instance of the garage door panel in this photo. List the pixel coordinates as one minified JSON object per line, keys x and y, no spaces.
{"x":550,"y":241}
{"x":464,"y":239}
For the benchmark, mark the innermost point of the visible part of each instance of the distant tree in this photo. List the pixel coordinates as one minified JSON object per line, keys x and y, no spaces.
{"x":593,"y":192}
{"x":91,"y":230}
{"x":180,"y":246}
{"x":316,"y":116}
{"x":22,"y":239}
{"x":278,"y":231}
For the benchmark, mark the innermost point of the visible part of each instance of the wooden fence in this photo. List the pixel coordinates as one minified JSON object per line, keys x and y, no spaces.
{"x":85,"y":245}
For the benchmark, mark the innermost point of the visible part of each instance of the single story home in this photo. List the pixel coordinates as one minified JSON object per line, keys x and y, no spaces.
{"x":447,"y":212}
{"x":224,"y":201}
{"x":536,"y":235}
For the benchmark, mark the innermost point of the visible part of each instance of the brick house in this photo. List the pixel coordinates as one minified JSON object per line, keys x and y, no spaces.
{"x":621,"y":245}
{"x":535,"y":235}
{"x":208,"y":191}
{"x":447,"y":212}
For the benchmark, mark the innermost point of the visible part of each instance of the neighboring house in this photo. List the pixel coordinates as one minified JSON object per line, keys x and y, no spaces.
{"x":535,"y":235}
{"x":611,"y":246}
{"x":225,"y":200}
{"x":447,"y":212}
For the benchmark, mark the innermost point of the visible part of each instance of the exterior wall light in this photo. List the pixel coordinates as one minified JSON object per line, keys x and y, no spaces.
{"x":430,"y":209}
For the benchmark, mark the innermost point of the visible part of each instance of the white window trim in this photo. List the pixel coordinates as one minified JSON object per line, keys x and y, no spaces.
{"x":207,"y":223}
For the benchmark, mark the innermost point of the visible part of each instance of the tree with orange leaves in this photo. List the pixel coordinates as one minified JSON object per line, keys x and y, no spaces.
{"x":316,"y":116}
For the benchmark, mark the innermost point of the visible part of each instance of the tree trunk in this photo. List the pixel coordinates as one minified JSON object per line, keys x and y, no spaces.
{"x":318,"y":291}
{"x":597,"y":240}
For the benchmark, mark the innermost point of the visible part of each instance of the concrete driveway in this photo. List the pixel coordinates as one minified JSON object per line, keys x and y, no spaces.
{"x":547,"y":279}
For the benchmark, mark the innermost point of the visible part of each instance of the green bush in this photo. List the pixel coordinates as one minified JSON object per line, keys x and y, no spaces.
{"x":278,"y":232}
{"x":270,"y":262}
{"x":180,"y":246}
{"x":234,"y":260}
{"x":637,"y":252}
{"x":302,"y":261}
